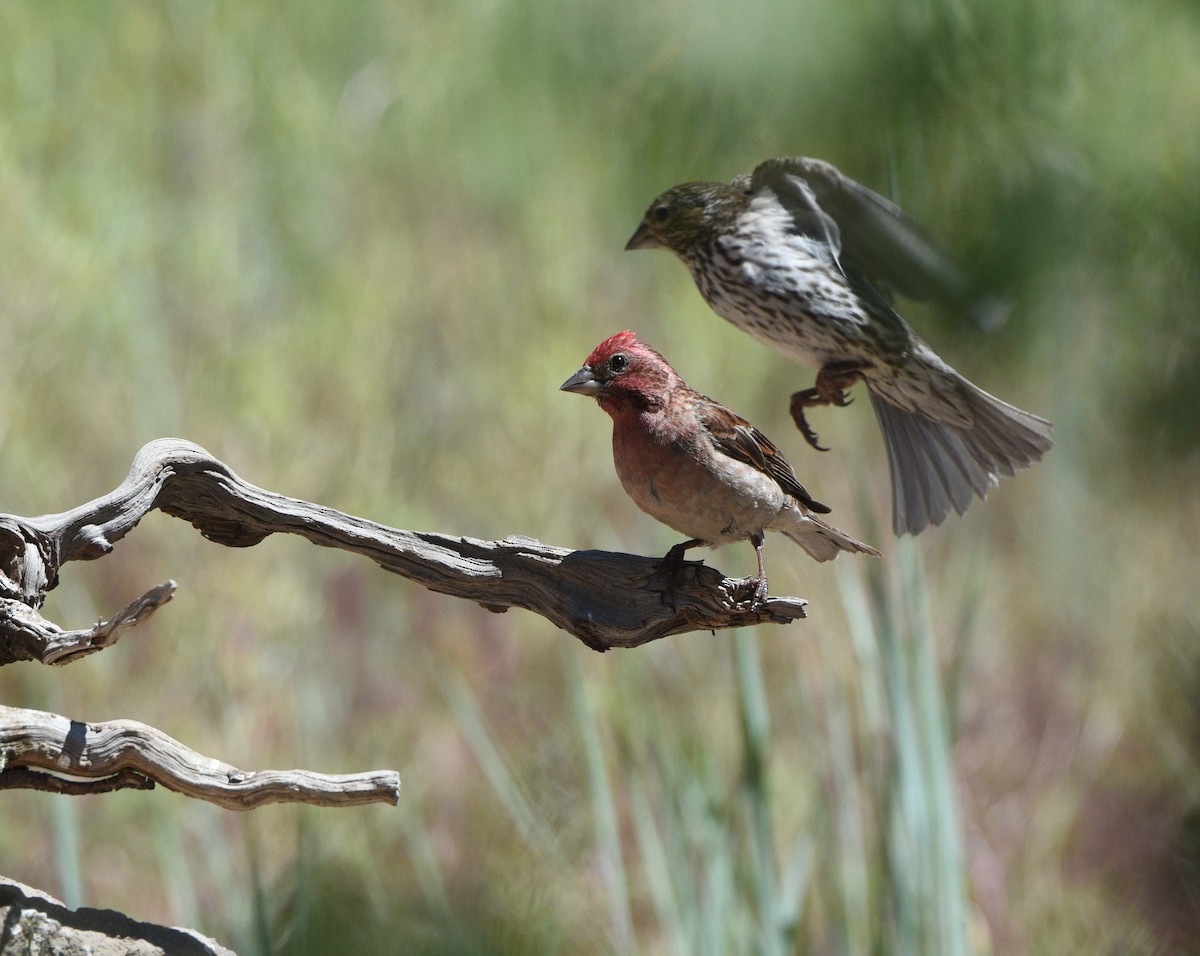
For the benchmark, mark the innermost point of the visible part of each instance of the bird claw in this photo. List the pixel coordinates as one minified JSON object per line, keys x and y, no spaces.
{"x":834,"y":379}
{"x":831,"y":388}
{"x":760,"y":592}
{"x":807,"y":398}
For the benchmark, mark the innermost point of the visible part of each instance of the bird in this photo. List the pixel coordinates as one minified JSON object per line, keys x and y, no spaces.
{"x":695,"y":465}
{"x":807,"y":261}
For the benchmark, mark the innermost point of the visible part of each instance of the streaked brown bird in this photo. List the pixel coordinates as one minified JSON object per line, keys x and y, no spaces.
{"x":806,"y":260}
{"x":695,"y":465}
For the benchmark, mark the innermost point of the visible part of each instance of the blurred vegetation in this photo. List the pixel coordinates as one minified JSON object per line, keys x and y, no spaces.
{"x":353,"y":248}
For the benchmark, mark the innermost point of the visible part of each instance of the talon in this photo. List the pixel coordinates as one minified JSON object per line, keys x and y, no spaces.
{"x":801,"y":401}
{"x":807,"y":398}
{"x":760,"y":592}
{"x":835,"y":379}
{"x":832,"y":388}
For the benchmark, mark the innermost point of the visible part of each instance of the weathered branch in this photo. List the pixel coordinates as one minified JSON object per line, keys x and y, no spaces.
{"x":33,"y":922}
{"x":31,"y":637}
{"x":605,"y":599}
{"x":65,"y":756}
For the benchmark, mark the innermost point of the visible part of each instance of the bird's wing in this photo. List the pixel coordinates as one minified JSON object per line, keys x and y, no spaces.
{"x":798,"y":197}
{"x":876,"y":236}
{"x":732,"y":435}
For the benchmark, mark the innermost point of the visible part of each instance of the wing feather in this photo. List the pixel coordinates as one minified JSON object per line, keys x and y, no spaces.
{"x":732,"y":435}
{"x":884,"y":244}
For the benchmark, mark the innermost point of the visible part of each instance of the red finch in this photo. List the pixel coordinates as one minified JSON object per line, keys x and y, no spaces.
{"x":805,"y":259}
{"x":695,"y":465}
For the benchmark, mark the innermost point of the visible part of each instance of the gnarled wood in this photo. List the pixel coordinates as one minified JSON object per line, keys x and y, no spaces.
{"x":117,"y":754}
{"x":32,"y":637}
{"x":604,"y":599}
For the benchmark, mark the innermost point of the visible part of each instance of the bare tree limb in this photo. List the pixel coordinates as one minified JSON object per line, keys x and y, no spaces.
{"x":604,"y":599}
{"x":33,"y":922}
{"x":124,"y":753}
{"x":35,"y":638}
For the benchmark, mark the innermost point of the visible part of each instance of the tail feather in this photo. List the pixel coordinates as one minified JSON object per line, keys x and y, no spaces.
{"x":937,"y":466}
{"x":820,"y":539}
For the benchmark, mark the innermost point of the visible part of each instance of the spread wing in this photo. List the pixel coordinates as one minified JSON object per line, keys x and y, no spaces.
{"x":877,"y":240}
{"x":732,"y":435}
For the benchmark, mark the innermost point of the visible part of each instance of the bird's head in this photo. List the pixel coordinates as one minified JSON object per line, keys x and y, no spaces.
{"x":623,"y":373}
{"x":681,"y":217}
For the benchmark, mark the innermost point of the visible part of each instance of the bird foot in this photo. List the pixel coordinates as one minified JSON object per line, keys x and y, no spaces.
{"x":808,"y":398}
{"x":831,"y":388}
{"x":760,"y":591}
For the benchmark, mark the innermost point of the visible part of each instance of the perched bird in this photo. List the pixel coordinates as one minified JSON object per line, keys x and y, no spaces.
{"x":695,"y":465}
{"x":805,"y":260}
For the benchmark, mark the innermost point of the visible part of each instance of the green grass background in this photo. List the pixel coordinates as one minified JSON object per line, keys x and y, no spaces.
{"x":353,"y":249}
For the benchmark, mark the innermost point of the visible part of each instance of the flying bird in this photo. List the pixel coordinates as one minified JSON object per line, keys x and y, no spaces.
{"x":695,"y":465}
{"x":806,"y":260}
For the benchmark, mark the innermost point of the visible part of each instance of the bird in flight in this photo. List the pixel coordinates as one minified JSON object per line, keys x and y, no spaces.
{"x":807,"y":260}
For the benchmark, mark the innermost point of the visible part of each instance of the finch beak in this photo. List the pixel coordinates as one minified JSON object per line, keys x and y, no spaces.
{"x":644,"y":239}
{"x":582,"y":382}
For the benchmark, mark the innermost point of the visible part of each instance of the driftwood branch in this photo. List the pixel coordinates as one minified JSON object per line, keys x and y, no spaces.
{"x":31,"y":637}
{"x":33,"y":922}
{"x":47,"y":752}
{"x":604,"y":599}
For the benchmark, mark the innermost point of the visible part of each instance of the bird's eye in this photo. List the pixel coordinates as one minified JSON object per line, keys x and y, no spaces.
{"x":661,"y":213}
{"x":618,"y":362}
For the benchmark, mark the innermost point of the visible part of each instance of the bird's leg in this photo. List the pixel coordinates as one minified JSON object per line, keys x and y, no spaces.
{"x":807,"y":398}
{"x":760,"y":588}
{"x":672,"y":566}
{"x":833,"y":381}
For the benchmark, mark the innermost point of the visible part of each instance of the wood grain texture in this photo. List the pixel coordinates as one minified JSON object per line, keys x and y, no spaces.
{"x":604,"y":599}
{"x":122,"y":754}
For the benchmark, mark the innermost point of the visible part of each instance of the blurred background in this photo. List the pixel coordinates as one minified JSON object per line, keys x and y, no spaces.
{"x":352,"y":249}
